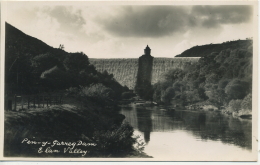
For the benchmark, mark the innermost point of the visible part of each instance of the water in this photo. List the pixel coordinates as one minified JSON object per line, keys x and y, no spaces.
{"x":191,"y":135}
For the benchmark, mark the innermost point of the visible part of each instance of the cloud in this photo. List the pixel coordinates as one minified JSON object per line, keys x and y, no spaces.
{"x":160,"y":21}
{"x":70,"y":19}
{"x":147,"y":21}
{"x":124,"y":31}
{"x":213,"y":16}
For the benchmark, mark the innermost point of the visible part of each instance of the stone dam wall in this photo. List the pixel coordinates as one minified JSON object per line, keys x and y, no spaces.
{"x":162,"y":65}
{"x":125,"y":69}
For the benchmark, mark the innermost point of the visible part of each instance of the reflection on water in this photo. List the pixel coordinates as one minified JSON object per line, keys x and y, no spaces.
{"x":144,"y":122}
{"x":206,"y":128}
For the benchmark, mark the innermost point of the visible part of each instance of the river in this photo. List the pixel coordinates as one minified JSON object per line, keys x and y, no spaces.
{"x":186,"y":135}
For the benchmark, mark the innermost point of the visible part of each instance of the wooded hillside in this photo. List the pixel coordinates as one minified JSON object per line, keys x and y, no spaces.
{"x":203,"y":50}
{"x":32,"y":67}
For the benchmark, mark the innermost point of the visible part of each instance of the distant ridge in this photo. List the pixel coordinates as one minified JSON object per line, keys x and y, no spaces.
{"x":200,"y":51}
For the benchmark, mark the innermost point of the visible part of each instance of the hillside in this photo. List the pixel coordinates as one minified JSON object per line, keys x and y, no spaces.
{"x":221,"y":79}
{"x":19,"y":44}
{"x":200,"y":51}
{"x":32,"y":66}
{"x":21,"y":40}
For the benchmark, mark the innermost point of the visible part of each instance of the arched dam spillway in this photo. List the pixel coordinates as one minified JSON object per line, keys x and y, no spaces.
{"x":125,"y":69}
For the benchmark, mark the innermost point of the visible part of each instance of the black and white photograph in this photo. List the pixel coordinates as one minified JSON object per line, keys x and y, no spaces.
{"x":131,"y":81}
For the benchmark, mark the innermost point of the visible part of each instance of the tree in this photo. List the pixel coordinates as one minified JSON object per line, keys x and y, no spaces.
{"x":107,"y":76}
{"x":202,"y":95}
{"x":237,"y":89}
{"x":247,"y":102}
{"x":192,"y":96}
{"x":56,"y":78}
{"x":43,"y":62}
{"x":168,"y":95}
{"x":192,"y":85}
{"x":223,"y":83}
{"x":212,"y":78}
{"x":174,"y":74}
{"x":76,"y":62}
{"x":179,"y":86}
{"x":235,"y":105}
{"x":61,"y":46}
{"x":157,"y":92}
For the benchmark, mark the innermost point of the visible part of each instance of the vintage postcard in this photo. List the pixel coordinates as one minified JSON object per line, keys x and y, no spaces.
{"x":129,"y":81}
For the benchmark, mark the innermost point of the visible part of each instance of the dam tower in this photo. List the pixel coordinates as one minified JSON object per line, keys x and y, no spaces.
{"x":143,"y":85}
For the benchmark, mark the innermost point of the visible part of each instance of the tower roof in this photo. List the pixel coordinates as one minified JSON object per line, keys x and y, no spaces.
{"x":147,"y":47}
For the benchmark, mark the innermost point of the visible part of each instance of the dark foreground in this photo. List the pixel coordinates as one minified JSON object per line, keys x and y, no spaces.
{"x":69,"y":131}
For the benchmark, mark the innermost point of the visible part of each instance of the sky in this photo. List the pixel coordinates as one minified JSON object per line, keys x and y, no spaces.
{"x":123,"y":31}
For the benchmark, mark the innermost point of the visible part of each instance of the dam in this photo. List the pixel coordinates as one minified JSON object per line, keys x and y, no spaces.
{"x":125,"y":69}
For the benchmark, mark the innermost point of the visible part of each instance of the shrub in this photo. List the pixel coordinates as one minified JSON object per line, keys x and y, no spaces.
{"x":97,"y":90}
{"x":115,"y":142}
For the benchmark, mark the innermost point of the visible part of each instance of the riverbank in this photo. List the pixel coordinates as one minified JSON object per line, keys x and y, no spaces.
{"x":69,"y":130}
{"x":207,"y":106}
